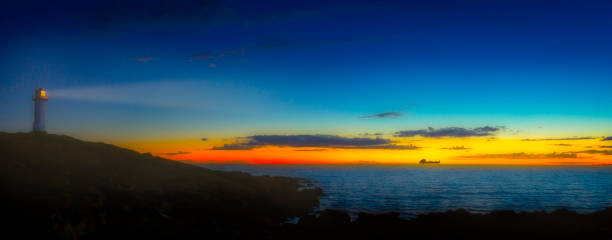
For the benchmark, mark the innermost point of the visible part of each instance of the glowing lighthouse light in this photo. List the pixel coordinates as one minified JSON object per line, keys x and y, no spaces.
{"x":40,"y":99}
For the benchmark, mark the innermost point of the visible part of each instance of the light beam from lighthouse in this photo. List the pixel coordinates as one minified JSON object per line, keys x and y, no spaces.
{"x":40,"y":100}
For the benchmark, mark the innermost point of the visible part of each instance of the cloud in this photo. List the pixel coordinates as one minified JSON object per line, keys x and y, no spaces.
{"x":386,"y":146}
{"x":456,"y":148}
{"x":321,"y":141}
{"x":234,"y":146}
{"x":176,"y":153}
{"x":563,"y":144}
{"x":607,"y":139}
{"x":311,"y":150}
{"x":223,"y":162}
{"x":604,"y":152}
{"x":203,"y":139}
{"x":144,"y":59}
{"x":211,"y":56}
{"x":202,"y":56}
{"x":605,"y":146}
{"x":450,"y":132}
{"x":573,"y":163}
{"x":384,"y":115}
{"x":370,"y":134}
{"x":522,"y":155}
{"x":556,"y":139}
{"x":212,"y":65}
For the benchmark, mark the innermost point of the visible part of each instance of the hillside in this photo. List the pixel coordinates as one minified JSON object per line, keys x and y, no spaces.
{"x":60,"y":186}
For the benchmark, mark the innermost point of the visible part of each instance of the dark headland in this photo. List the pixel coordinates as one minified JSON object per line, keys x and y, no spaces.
{"x":58,"y":187}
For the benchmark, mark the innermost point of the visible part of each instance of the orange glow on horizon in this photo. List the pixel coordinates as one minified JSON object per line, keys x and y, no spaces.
{"x":450,"y":151}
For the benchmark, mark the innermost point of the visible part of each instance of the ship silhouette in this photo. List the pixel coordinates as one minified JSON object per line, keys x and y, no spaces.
{"x":423,"y":161}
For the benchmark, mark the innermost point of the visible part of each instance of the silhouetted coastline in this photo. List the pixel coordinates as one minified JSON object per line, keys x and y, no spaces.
{"x":59,"y":186}
{"x":63,"y":188}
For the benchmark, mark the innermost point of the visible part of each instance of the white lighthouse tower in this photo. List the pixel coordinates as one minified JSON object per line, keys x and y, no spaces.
{"x":40,"y":100}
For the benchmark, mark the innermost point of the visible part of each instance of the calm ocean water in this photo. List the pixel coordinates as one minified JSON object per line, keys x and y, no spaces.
{"x":412,"y":190}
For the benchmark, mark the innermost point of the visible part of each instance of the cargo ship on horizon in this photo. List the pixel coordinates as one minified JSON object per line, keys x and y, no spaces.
{"x":423,"y":161}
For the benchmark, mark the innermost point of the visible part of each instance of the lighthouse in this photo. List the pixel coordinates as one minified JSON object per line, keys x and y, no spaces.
{"x":40,"y":100}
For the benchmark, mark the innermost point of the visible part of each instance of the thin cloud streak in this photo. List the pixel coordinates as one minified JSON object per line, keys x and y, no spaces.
{"x":144,"y":59}
{"x":176,"y":153}
{"x":220,"y":55}
{"x":557,"y":139}
{"x":521,"y":155}
{"x":456,"y":148}
{"x":384,"y":115}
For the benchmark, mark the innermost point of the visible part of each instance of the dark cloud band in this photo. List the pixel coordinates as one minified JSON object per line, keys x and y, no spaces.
{"x":604,"y":152}
{"x":450,"y":132}
{"x":322,"y":141}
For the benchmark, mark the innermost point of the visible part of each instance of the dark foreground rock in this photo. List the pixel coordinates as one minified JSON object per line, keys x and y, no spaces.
{"x":458,"y":224}
{"x":59,"y":187}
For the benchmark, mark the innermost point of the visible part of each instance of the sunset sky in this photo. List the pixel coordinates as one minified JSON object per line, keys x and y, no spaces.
{"x":463,"y":82}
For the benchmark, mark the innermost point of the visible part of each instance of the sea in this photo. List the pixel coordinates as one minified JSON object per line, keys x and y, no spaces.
{"x":416,"y":189}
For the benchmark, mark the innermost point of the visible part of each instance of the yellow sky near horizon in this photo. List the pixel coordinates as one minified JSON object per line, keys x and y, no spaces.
{"x":453,"y":151}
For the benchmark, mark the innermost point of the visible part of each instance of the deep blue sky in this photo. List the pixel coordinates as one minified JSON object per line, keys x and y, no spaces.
{"x":307,"y":66}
